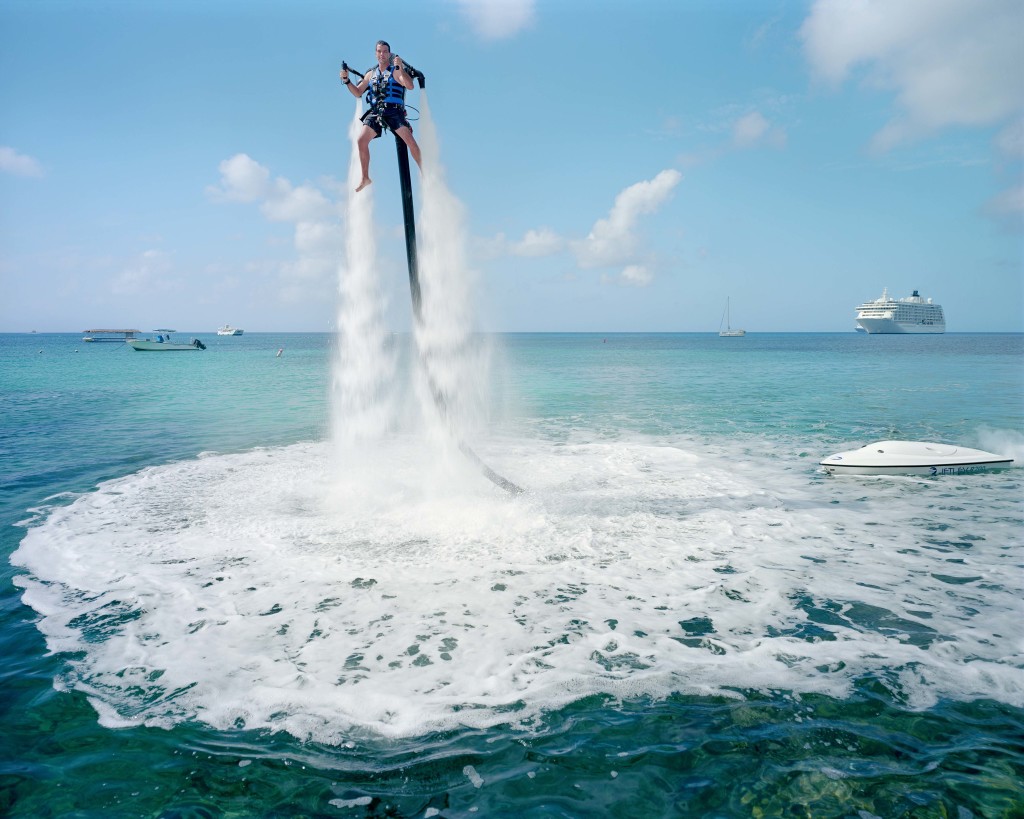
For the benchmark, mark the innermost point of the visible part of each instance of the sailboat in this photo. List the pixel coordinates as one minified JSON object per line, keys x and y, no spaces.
{"x":728,"y":332}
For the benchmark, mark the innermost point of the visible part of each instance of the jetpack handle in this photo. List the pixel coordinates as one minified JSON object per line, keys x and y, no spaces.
{"x":346,"y":67}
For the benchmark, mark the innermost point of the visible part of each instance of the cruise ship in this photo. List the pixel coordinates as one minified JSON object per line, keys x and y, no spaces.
{"x":910,"y":315}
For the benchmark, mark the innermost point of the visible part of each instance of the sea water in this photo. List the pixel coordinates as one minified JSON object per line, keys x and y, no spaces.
{"x":682,"y":615}
{"x":264,"y":579}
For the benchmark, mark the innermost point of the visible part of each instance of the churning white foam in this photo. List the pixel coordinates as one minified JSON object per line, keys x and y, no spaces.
{"x":258,"y":590}
{"x":1005,"y":442}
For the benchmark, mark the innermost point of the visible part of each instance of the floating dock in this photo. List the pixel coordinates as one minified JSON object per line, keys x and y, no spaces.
{"x":109,"y":335}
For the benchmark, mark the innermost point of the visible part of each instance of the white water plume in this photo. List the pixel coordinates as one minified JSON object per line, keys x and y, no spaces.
{"x":447,"y":373}
{"x":364,"y":369}
{"x":455,"y":357}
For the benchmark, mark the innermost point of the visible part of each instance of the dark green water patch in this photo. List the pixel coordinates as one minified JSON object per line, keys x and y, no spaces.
{"x":767,"y":754}
{"x":860,"y":617}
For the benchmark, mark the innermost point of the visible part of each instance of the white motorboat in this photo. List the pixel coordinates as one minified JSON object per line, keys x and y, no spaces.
{"x":228,"y":330}
{"x":913,"y":314}
{"x":164,"y":343}
{"x":913,"y":458}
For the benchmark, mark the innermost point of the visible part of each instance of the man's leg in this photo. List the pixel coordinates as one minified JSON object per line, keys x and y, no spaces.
{"x":405,"y":132}
{"x":365,"y":138}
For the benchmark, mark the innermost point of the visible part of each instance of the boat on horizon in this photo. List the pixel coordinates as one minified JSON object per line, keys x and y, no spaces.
{"x":107,"y":335}
{"x":912,"y":314}
{"x":164,"y":343}
{"x":228,"y":330}
{"x":728,"y":332}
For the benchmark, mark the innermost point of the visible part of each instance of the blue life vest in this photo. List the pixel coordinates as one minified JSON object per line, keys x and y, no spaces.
{"x":385,"y":88}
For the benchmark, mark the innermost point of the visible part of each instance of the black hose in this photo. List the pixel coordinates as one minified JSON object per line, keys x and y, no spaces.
{"x":414,"y":287}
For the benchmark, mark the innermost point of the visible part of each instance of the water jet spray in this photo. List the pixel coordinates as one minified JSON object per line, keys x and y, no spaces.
{"x":408,"y":212}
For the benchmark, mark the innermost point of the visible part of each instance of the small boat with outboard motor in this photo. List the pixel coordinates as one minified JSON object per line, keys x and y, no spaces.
{"x":164,"y":343}
{"x":913,"y":458}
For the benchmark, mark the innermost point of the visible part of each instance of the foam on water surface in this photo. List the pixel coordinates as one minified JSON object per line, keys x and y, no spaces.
{"x":274,"y":590}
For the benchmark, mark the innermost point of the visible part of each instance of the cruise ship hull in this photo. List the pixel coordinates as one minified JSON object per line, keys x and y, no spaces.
{"x":872,"y":326}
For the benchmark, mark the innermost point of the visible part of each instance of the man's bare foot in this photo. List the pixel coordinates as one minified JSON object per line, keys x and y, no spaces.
{"x":366,"y":181}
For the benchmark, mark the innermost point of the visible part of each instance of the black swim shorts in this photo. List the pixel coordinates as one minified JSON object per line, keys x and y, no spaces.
{"x":394,"y":118}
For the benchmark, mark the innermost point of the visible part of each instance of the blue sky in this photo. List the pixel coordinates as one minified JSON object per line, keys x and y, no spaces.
{"x":624,"y":166}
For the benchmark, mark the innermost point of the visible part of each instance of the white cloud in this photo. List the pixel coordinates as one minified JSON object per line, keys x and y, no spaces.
{"x":18,"y":164}
{"x":148,"y":273}
{"x":739,"y":127}
{"x":306,"y":269}
{"x":949,"y":62}
{"x":317,"y":237}
{"x":636,"y":275}
{"x":1007,"y":208}
{"x":542,"y":242}
{"x":534,"y":244}
{"x":754,"y":129}
{"x":1010,"y":141}
{"x":320,"y":246}
{"x":763,"y":33}
{"x":242,"y":179}
{"x":748,"y":130}
{"x":498,"y":19}
{"x":1009,"y":202}
{"x":302,"y":204}
{"x":612,"y":240}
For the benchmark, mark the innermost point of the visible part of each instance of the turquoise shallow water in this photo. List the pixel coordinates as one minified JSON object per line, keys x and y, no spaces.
{"x":209,"y":610}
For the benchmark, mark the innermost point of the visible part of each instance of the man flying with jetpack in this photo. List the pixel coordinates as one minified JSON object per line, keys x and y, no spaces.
{"x":387,"y":84}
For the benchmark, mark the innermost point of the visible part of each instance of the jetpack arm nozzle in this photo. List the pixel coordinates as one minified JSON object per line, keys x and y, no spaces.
{"x":416,"y":74}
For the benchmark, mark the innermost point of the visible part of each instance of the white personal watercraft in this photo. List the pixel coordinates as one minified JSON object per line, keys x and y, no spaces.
{"x":913,"y":458}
